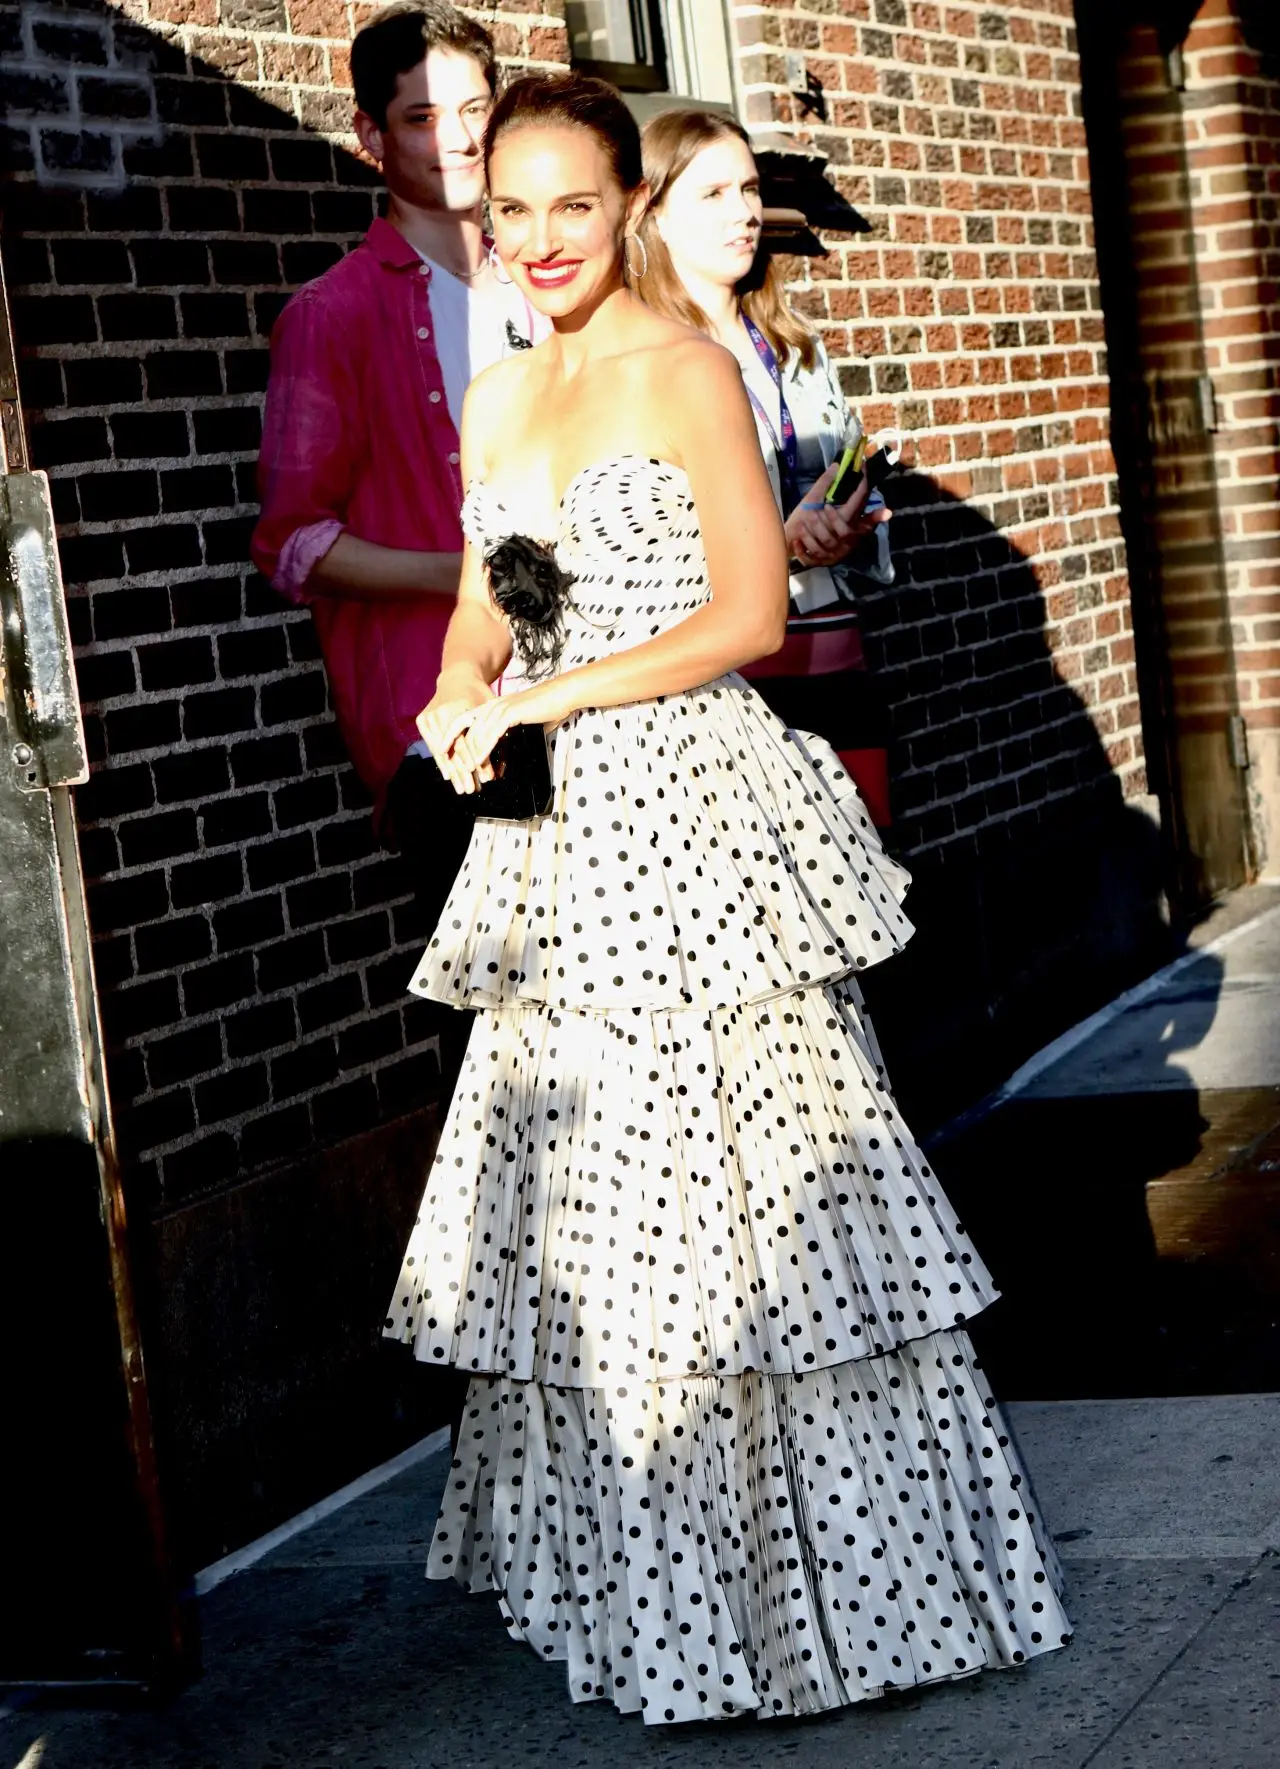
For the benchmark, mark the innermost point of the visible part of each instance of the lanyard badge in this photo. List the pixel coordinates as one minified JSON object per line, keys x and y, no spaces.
{"x":785,"y":445}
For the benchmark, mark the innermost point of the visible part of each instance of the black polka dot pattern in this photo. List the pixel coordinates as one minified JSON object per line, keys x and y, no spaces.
{"x":778,"y":1545}
{"x":726,"y":1448}
{"x":644,"y":1195}
{"x":697,"y":853}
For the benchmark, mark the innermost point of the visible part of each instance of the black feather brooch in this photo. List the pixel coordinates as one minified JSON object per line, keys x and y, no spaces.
{"x":532,"y":591}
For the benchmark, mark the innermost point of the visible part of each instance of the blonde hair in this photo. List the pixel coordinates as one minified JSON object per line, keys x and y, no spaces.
{"x":670,"y":142}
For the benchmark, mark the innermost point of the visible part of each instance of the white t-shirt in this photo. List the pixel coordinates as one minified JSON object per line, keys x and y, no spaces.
{"x":470,"y":322}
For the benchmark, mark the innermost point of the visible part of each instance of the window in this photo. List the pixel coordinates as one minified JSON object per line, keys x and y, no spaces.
{"x":621,"y":41}
{"x":655,"y":51}
{"x":665,"y":53}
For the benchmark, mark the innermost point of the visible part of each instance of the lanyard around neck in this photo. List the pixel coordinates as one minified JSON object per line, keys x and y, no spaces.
{"x":785,"y":445}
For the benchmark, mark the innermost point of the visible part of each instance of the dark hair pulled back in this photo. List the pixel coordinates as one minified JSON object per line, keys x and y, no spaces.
{"x":571,"y":100}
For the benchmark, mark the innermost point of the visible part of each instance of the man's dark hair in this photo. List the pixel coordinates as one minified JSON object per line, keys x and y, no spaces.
{"x":402,"y":36}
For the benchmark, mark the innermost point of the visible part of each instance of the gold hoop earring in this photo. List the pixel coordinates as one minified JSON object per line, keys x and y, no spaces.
{"x":495,"y":265}
{"x":627,"y":239}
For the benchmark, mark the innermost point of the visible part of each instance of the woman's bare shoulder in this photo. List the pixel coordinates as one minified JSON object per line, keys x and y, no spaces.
{"x":702,"y":373}
{"x":679,"y":386}
{"x":681,"y":357}
{"x":706,"y":360}
{"x":499,"y":382}
{"x":490,"y":400}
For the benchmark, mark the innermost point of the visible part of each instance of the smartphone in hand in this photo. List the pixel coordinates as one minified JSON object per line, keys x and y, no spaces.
{"x":849,"y":473}
{"x":880,"y":465}
{"x":854,"y":462}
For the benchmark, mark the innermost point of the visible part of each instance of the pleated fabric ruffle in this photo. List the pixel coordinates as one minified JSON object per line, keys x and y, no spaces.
{"x":779,"y":1544}
{"x":646,"y":1195}
{"x":726,"y":1448}
{"x":698,"y":853}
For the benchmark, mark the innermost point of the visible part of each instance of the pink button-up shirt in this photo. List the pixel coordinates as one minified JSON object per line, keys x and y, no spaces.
{"x":357,"y":435}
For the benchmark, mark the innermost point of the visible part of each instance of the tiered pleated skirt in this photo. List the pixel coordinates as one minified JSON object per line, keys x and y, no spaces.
{"x":726,"y":1448}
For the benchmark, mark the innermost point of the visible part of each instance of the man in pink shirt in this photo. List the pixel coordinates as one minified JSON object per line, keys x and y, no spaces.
{"x":358,"y":474}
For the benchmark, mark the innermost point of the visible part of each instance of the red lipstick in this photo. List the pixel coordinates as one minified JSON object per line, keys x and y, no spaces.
{"x":553,"y":276}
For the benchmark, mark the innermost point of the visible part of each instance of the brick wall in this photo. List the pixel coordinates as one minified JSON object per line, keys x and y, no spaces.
{"x":1162,"y":421}
{"x":175,"y":169}
{"x":178,"y":166}
{"x":970,"y":316}
{"x":1183,"y":128}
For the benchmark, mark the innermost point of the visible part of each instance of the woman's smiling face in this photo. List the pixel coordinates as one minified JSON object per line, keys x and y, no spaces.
{"x":559,"y":214}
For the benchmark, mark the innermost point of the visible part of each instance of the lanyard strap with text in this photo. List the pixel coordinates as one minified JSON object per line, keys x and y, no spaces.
{"x":785,"y":446}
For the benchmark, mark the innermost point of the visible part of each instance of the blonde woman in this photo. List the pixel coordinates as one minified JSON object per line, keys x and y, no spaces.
{"x":704,"y":264}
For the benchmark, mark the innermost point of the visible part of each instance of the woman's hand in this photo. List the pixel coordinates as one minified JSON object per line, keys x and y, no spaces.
{"x":460,"y":693}
{"x":471,"y":734}
{"x":823,"y":534}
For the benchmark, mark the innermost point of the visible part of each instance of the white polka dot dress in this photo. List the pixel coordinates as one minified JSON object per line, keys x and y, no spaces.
{"x":726,"y":1447}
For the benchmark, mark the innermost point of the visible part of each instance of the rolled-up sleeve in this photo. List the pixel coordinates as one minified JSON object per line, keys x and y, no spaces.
{"x":310,"y":445}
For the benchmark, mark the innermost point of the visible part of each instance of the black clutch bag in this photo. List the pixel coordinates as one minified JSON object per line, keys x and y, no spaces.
{"x":521,"y":786}
{"x":530,"y":589}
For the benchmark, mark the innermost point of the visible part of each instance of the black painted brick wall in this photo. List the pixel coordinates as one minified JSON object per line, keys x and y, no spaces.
{"x":253,"y":942}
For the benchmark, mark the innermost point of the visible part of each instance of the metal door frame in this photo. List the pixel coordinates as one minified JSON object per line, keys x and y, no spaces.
{"x":41,"y":720}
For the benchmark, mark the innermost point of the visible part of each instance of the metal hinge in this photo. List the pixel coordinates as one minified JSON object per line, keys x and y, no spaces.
{"x":39,"y":707}
{"x":1208,"y":402}
{"x":1238,"y":742}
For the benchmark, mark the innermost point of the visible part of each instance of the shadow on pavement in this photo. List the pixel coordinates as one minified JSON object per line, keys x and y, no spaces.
{"x":1135,"y":1235}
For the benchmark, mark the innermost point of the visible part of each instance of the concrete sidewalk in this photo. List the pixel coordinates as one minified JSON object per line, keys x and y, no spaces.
{"x":335,"y":1653}
{"x":1211,"y":1024}
{"x":1126,"y":1192}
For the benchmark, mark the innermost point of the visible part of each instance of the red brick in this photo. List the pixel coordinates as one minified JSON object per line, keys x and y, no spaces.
{"x":184,"y":12}
{"x":319,"y":18}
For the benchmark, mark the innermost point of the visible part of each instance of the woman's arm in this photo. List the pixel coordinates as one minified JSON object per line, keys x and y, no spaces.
{"x":477,"y":646}
{"x":713,"y":436}
{"x":478,"y":639}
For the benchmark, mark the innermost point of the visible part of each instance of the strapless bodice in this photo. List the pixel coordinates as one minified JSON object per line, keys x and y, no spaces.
{"x":629,"y":534}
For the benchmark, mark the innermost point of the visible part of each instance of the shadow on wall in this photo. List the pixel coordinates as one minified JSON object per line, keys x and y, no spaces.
{"x":1038,"y":890}
{"x":253,"y":945}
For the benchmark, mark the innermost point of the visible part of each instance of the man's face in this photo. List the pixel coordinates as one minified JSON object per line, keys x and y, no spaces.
{"x":432,"y":149}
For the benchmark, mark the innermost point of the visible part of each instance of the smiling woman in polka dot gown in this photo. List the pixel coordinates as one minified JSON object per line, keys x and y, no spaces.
{"x":726,"y":1449}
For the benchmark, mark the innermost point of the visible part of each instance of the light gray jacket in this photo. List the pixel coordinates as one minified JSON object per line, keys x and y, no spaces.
{"x":820,"y":411}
